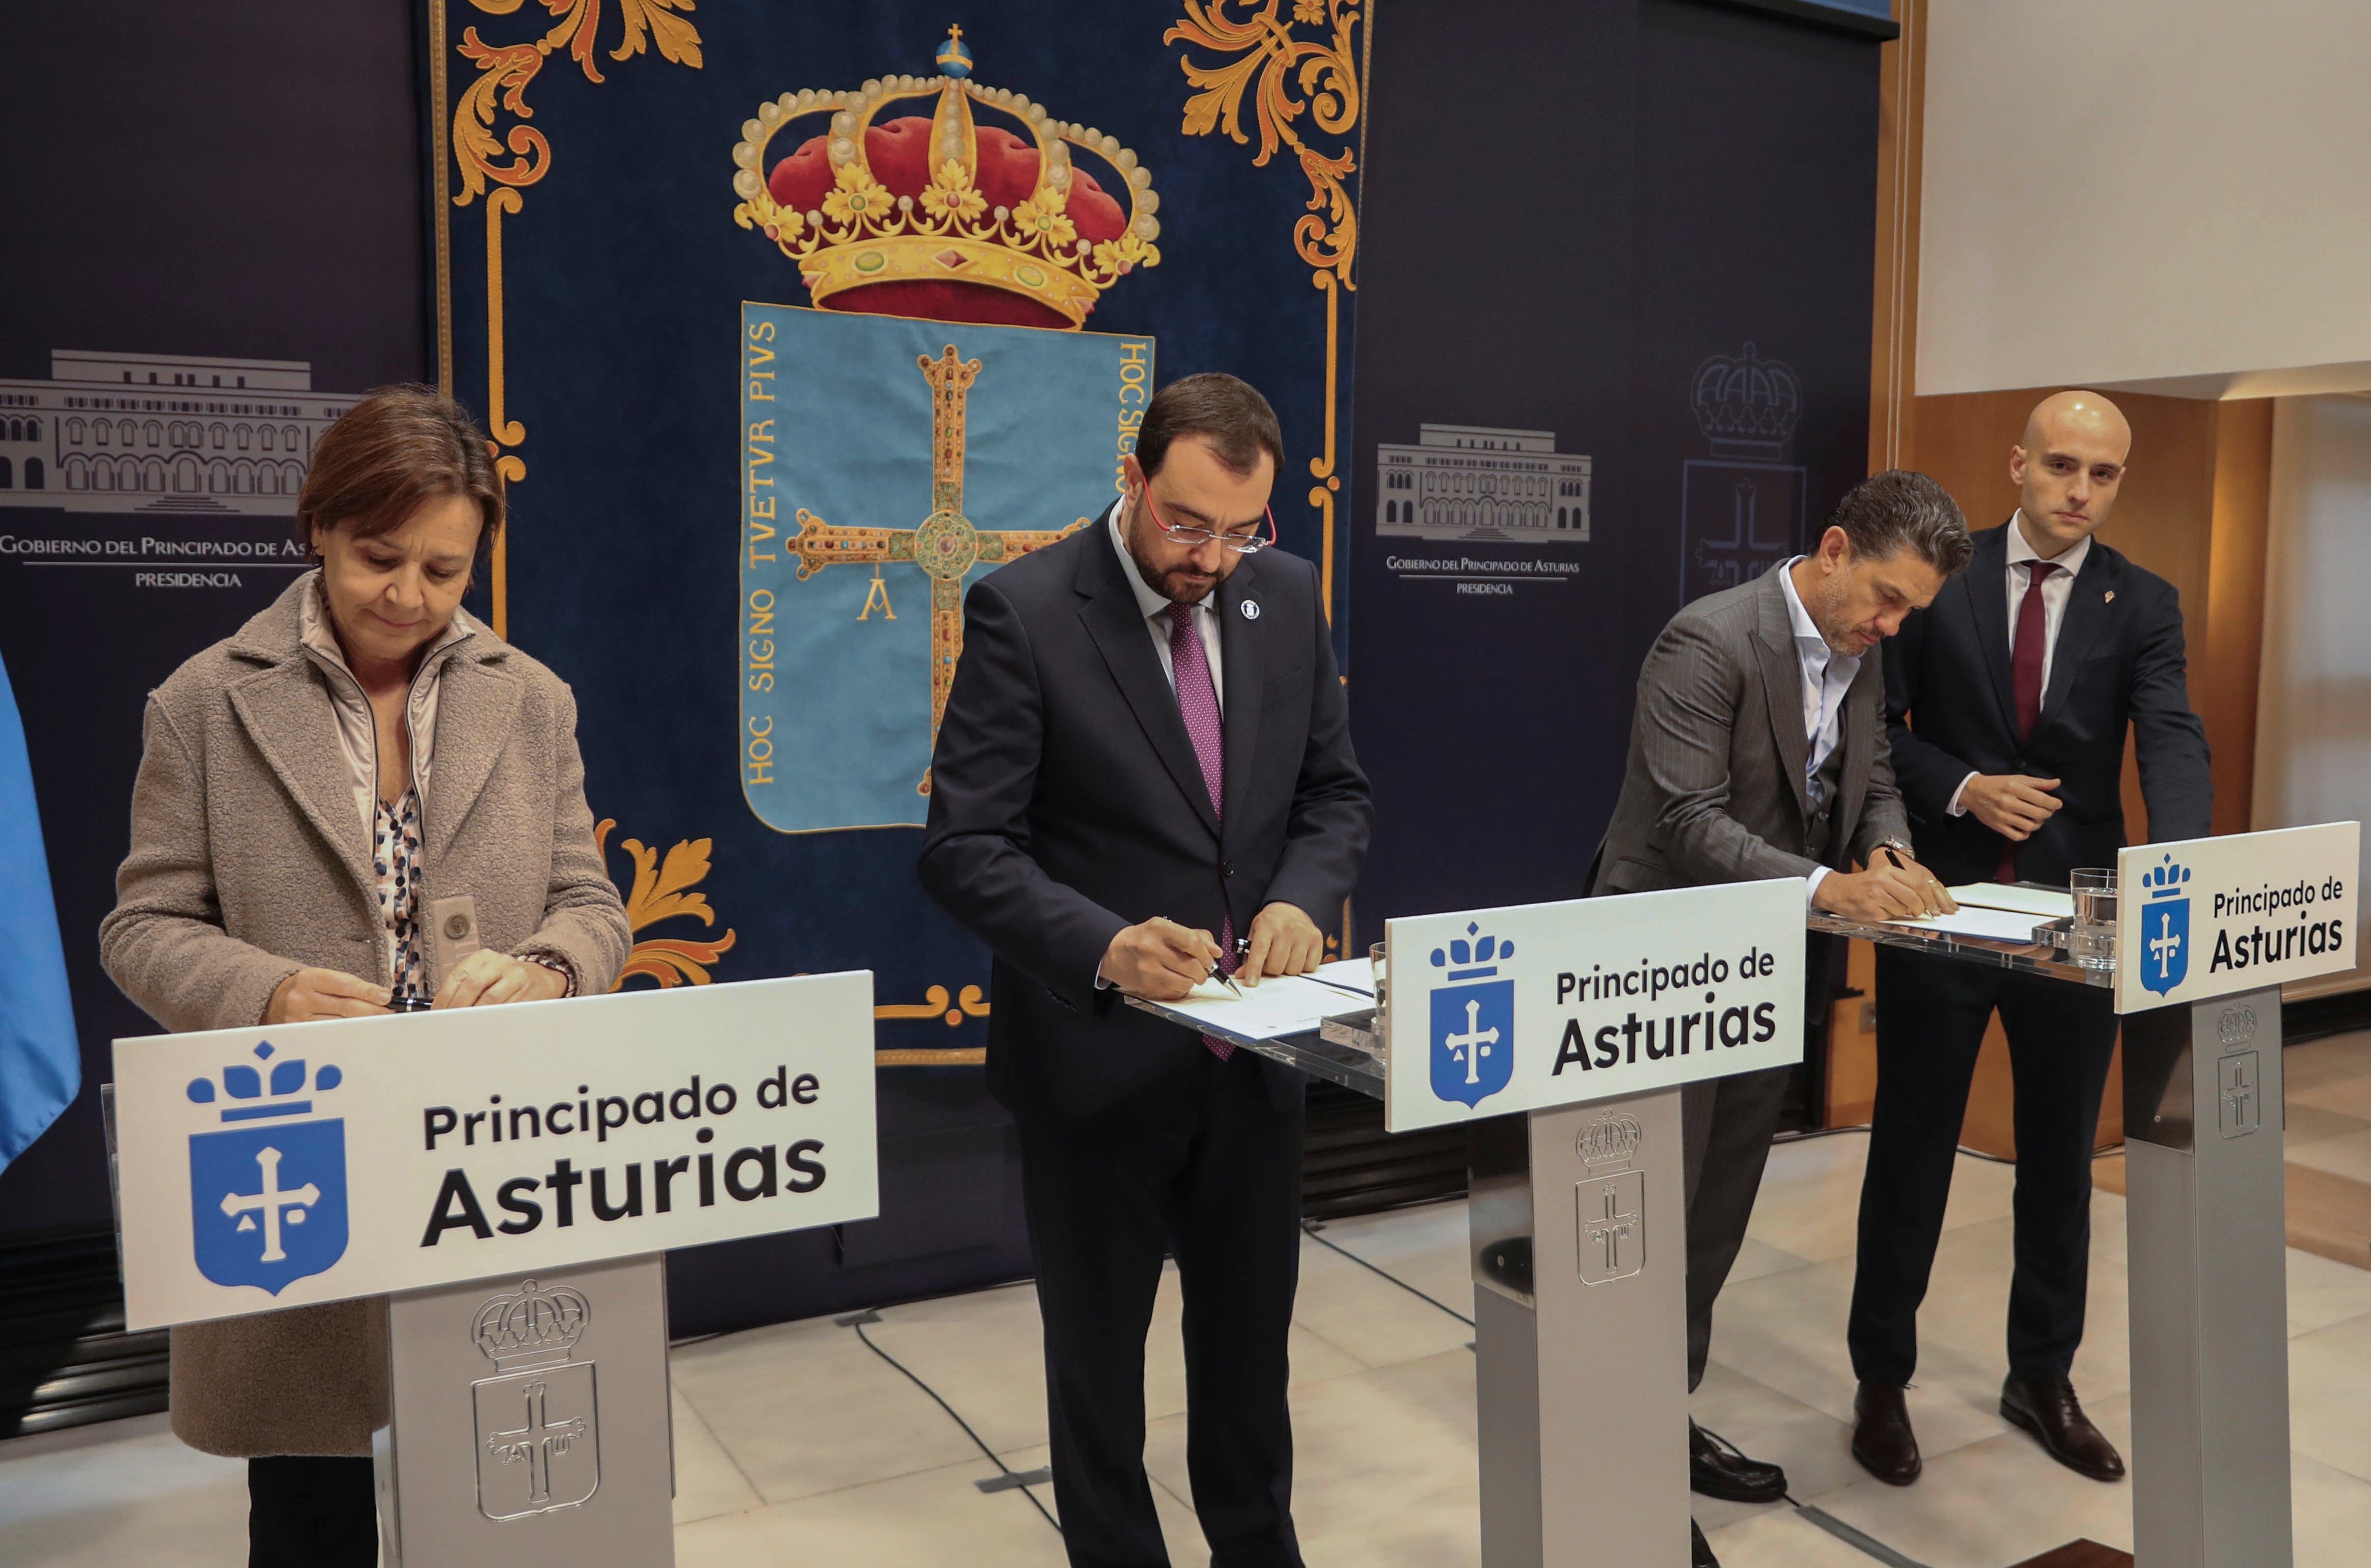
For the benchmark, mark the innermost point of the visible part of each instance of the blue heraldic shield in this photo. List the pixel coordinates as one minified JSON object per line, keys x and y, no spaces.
{"x":268,"y":1203}
{"x":268,"y":1192}
{"x":2165,"y":927}
{"x":1472,"y":1024}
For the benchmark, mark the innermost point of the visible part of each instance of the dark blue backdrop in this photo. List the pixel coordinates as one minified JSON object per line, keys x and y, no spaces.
{"x":1560,"y":236}
{"x":275,"y":148}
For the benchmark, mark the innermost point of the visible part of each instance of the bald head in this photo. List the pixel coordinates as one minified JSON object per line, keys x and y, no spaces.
{"x":2068,"y":470}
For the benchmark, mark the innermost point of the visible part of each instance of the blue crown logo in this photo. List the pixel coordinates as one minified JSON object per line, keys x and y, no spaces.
{"x":268,"y":1203}
{"x":1472,"y":1019}
{"x":242,"y":1082}
{"x":2167,"y":880}
{"x":1473,"y":949}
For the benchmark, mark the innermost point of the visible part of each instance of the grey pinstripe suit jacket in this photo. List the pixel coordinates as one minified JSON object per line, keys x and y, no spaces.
{"x":1715,"y":787}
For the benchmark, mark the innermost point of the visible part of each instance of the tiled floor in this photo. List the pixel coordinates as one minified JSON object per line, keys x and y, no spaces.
{"x":796,"y":1443}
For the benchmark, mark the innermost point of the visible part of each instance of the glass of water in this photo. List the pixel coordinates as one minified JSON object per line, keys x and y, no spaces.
{"x":2092,"y":942}
{"x":1376,"y":962}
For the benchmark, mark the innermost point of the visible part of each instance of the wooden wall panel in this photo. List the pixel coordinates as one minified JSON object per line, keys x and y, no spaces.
{"x":2226,"y":662}
{"x":2194,"y":510}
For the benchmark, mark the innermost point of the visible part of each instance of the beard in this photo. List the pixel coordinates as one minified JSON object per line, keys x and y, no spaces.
{"x":1826,"y":606}
{"x":1178,"y":585}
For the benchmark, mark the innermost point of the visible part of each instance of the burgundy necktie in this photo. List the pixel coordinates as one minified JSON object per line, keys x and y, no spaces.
{"x":2026,"y":655}
{"x":1198,"y":702}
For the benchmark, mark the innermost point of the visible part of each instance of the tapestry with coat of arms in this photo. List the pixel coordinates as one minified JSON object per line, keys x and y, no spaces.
{"x":791,"y":322}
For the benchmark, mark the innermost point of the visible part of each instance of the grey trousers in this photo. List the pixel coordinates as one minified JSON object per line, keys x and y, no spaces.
{"x":1725,"y":1125}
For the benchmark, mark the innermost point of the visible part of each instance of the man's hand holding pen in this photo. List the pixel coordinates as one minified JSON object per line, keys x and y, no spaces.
{"x":1894,"y":887}
{"x":1162,"y":961}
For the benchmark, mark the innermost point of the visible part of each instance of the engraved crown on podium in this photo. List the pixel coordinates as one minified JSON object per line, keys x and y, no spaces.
{"x":864,"y":200}
{"x":1610,"y":1140}
{"x":531,"y":1326}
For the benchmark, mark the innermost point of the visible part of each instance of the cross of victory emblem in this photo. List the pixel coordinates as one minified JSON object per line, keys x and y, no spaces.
{"x":946,"y":544}
{"x":270,"y":1201}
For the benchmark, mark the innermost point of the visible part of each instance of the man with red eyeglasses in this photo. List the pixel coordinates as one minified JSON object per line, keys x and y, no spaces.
{"x":1144,"y":779}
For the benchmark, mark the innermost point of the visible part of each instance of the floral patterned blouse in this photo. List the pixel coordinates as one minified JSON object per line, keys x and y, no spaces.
{"x":394,"y":856}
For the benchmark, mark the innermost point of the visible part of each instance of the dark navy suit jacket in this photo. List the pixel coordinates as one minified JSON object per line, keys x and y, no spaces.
{"x":1951,"y":704}
{"x":1065,"y":803}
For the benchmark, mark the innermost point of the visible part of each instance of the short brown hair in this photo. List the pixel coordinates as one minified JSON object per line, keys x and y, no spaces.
{"x":1887,"y":514}
{"x":1226,"y":411}
{"x":397,"y":448}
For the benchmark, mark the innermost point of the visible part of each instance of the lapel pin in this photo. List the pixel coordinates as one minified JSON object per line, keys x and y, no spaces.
{"x":1251,"y":609}
{"x":2111,"y":598}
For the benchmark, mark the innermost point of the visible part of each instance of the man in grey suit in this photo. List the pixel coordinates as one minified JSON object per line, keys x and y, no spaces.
{"x":1759,"y":751}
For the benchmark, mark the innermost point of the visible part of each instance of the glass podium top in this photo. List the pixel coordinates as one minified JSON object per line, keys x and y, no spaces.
{"x":1312,"y":1053}
{"x":1352,"y":1066}
{"x":2026,"y":958}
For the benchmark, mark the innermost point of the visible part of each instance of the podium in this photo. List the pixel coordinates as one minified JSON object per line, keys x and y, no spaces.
{"x":1586,"y":1017}
{"x":1561,"y":1033}
{"x":2207,"y":931}
{"x":509,"y":1179}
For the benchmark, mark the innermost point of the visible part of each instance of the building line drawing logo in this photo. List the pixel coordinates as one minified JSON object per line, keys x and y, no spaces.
{"x":207,"y":437}
{"x":2165,"y":926}
{"x":1481,"y":483}
{"x":268,"y":1193}
{"x":537,"y":1418}
{"x":1472,"y":1019}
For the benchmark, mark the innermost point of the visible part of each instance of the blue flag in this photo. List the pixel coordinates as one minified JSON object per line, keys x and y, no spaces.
{"x":40,"y":1061}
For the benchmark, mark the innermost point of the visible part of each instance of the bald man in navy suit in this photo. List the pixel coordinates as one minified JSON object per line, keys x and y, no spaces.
{"x":2007,"y":703}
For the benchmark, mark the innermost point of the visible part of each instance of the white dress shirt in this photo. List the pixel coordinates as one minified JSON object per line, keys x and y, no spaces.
{"x":2057,"y":588}
{"x":1156,"y":616}
{"x":1827,"y":675}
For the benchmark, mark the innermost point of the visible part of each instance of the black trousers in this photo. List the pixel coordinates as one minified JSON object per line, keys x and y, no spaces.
{"x":1210,"y":1171}
{"x":305,"y":1511}
{"x":1931,"y":1014}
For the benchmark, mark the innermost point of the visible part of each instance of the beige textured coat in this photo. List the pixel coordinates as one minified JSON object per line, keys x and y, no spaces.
{"x":248,"y":862}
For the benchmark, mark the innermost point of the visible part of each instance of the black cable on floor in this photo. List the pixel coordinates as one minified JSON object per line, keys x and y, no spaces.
{"x":1860,"y":1540}
{"x":1310,"y":1227}
{"x":857,"y":1321}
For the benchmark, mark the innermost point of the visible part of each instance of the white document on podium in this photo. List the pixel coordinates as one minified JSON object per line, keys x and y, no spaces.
{"x":2041,"y":903}
{"x":1277,"y":1005}
{"x":1972,"y":921}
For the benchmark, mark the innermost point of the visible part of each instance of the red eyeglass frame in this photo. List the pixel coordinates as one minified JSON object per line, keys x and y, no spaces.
{"x":1250,"y":545}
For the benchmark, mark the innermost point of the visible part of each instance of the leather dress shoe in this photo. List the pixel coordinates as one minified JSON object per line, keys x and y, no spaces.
{"x":1699,"y":1554}
{"x":1717,"y":1469}
{"x":2049,"y":1411}
{"x":1881,"y":1439}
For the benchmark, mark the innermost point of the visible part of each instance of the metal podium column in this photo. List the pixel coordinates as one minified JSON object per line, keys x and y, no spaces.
{"x":2209,"y":1284}
{"x":1580,"y":1335}
{"x":529,"y":1422}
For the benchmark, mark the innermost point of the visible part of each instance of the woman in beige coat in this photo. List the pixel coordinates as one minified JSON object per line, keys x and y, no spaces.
{"x":311,"y":788}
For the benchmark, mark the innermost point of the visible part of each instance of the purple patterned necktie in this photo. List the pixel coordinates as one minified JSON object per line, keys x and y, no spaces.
{"x":1198,"y":702}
